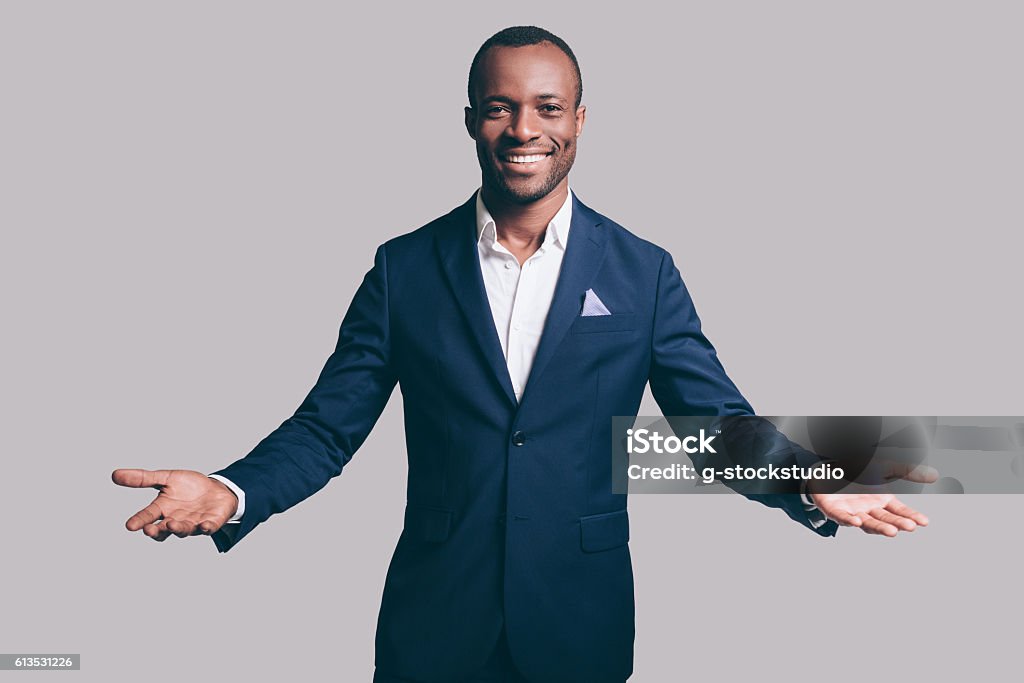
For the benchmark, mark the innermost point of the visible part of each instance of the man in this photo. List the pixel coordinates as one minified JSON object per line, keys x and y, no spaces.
{"x":517,"y":325}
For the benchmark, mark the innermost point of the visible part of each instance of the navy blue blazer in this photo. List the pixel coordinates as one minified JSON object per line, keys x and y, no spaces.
{"x":510,"y":515}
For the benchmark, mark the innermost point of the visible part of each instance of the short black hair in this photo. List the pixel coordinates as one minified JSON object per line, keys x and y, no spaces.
{"x":521,"y":36}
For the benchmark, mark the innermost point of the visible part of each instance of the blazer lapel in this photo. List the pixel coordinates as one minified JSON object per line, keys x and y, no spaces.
{"x":583,"y":256}
{"x":457,"y":247}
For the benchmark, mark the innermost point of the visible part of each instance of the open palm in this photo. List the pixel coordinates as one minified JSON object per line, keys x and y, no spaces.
{"x":189,"y":503}
{"x":874,"y":513}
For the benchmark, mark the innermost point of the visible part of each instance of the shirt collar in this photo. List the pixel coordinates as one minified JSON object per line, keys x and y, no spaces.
{"x":557,"y":232}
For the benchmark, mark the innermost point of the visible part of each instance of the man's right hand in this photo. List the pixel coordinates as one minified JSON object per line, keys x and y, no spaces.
{"x":189,"y":503}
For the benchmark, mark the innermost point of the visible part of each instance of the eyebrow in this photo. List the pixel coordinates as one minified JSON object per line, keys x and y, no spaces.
{"x":506,"y":98}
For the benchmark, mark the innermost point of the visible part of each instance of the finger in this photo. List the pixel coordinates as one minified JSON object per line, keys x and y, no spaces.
{"x":897,"y":521}
{"x":138,"y":479}
{"x":903,"y":510}
{"x":923,"y":474}
{"x":877,"y":526}
{"x":845,"y":518}
{"x":146,"y":515}
{"x":180,"y":528}
{"x":156,"y":531}
{"x":207,"y":526}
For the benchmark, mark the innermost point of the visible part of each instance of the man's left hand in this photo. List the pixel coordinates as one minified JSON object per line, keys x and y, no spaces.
{"x":874,"y":513}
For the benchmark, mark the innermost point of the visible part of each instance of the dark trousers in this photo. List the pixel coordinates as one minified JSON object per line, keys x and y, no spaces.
{"x":498,"y":669}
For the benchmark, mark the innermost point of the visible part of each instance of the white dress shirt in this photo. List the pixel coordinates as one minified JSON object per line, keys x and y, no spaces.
{"x":520,"y":298}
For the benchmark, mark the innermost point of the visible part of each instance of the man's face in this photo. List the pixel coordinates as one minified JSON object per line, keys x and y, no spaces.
{"x":524,"y":122}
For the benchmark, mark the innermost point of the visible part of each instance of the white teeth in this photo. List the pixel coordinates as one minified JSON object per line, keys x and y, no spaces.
{"x":526,"y":159}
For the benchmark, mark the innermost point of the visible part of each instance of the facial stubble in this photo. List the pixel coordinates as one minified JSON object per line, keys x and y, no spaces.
{"x":561,"y":161}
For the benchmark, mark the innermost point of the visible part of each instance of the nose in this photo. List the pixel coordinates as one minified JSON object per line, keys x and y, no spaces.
{"x":524,"y":125}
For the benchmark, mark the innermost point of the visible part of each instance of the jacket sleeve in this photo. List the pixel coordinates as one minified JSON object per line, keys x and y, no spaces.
{"x":298,"y":458}
{"x":687,"y":379}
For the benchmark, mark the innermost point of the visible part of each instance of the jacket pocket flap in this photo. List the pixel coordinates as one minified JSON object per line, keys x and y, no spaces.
{"x":605,"y":531}
{"x":427,"y":524}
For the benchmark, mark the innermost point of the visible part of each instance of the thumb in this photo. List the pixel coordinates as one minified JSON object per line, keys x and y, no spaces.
{"x":921,"y":474}
{"x":136,"y":478}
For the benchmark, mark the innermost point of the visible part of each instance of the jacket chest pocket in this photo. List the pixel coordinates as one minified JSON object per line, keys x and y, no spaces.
{"x":616,"y":322}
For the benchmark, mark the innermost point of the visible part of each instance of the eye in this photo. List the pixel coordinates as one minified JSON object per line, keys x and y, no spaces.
{"x":495,"y":111}
{"x":551,"y":109}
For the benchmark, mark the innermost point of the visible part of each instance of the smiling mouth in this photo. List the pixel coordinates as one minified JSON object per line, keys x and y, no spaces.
{"x":524,"y":158}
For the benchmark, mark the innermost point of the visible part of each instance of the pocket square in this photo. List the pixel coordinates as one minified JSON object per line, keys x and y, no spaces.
{"x":592,"y":305}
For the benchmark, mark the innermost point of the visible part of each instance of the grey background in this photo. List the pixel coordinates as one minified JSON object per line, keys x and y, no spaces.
{"x":191,"y":193}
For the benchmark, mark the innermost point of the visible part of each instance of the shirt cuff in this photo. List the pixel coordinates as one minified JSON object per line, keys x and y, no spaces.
{"x":816,"y":517}
{"x":237,"y":491}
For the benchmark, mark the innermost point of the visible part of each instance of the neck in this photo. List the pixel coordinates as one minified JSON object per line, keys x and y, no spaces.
{"x":524,"y":222}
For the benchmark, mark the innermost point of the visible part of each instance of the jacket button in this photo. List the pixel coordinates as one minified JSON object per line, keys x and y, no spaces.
{"x":518,"y":438}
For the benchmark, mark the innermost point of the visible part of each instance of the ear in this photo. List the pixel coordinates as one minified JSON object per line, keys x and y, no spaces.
{"x":471,"y":122}
{"x":581,"y":116}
